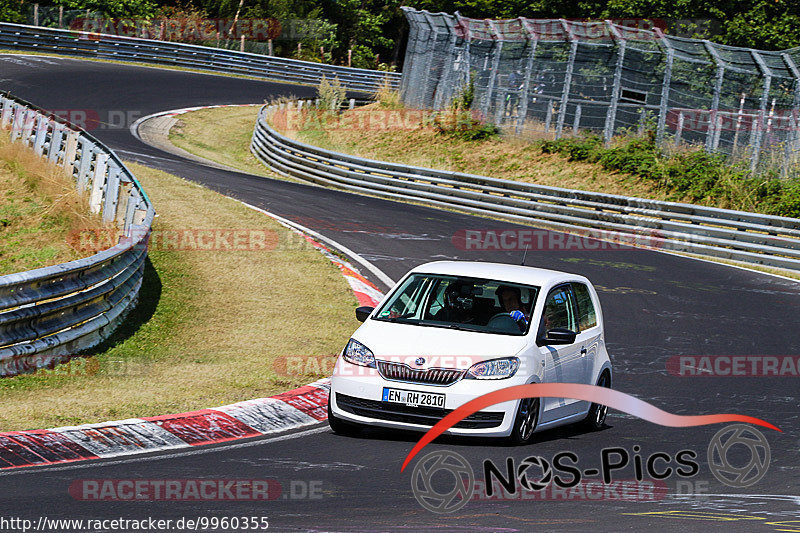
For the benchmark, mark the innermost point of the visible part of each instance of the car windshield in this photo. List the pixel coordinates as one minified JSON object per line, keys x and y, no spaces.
{"x":469,"y":304}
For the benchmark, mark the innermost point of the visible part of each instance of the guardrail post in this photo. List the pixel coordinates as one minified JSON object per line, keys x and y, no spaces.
{"x":125,"y":188}
{"x":111,"y":192}
{"x":17,"y":121}
{"x":98,"y":182}
{"x":85,"y":165}
{"x":712,"y":113}
{"x":29,"y":119}
{"x":762,"y":109}
{"x":7,"y":113}
{"x":611,"y":114}
{"x":56,"y":137}
{"x":573,"y":51}
{"x":70,"y":152}
{"x":663,"y":106}
{"x":41,"y":134}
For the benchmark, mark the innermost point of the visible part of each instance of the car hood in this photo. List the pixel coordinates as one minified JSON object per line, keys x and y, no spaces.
{"x":391,"y":341}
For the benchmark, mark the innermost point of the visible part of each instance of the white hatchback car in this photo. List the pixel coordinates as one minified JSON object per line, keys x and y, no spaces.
{"x":451,"y":331}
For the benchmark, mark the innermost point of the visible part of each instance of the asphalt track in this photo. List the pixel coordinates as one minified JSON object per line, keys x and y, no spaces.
{"x":655,"y":305}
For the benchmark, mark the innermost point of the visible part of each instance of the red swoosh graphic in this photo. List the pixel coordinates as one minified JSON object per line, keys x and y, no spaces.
{"x":590,"y":393}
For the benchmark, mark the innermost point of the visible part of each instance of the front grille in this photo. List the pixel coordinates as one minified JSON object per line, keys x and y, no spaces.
{"x":430,"y":376}
{"x":426,"y":416}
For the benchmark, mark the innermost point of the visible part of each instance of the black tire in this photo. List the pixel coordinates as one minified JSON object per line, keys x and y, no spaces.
{"x":596,"y":418}
{"x":339,"y":426}
{"x":525,"y":422}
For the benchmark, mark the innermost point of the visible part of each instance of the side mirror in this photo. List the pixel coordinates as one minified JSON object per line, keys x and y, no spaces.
{"x":557,"y":336}
{"x":362,"y":313}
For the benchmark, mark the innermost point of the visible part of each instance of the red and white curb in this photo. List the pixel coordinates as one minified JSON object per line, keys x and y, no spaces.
{"x":290,"y":410}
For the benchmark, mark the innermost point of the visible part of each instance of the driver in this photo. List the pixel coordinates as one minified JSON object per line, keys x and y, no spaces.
{"x":511,"y":301}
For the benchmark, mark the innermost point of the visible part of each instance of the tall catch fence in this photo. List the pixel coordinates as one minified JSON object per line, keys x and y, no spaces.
{"x":558,"y":77}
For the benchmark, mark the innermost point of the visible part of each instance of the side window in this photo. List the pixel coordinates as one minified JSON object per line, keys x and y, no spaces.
{"x":559,"y":309}
{"x":406,"y":303}
{"x":587,"y":317}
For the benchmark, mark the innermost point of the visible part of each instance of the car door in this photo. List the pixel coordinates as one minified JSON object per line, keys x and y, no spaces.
{"x":588,"y":337}
{"x":562,"y":363}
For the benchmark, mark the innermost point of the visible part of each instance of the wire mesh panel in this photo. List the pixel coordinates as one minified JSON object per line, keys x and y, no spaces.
{"x":561,"y":77}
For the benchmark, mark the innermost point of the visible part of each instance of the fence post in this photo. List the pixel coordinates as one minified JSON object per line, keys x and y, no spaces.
{"x":738,"y":127}
{"x":792,"y":141}
{"x":532,"y":42}
{"x":679,"y":129}
{"x":497,"y":50}
{"x":611,"y":114}
{"x":663,"y":106}
{"x":548,"y":118}
{"x":444,"y":88}
{"x":431,"y":47}
{"x":464,"y":24}
{"x":573,"y":51}
{"x":411,"y":58}
{"x":762,"y":109}
{"x":577,"y":122}
{"x":712,"y":114}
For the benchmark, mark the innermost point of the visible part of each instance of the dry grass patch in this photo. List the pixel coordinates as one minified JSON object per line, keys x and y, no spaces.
{"x":39,"y":208}
{"x":506,"y":158}
{"x":209,"y":328}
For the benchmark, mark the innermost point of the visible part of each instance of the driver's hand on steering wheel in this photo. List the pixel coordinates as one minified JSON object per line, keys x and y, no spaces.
{"x":518,"y":315}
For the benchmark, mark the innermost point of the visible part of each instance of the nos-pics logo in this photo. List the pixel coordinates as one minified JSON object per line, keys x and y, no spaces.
{"x":443,"y":481}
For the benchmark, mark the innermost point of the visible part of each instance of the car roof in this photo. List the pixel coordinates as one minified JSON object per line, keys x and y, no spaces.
{"x":499,"y":271}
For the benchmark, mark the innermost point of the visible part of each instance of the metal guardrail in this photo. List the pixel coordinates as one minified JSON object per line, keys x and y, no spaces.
{"x":735,"y":235}
{"x":119,"y":48}
{"x":50,"y":313}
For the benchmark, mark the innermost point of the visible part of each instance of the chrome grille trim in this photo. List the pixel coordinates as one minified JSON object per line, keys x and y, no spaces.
{"x":432,"y":376}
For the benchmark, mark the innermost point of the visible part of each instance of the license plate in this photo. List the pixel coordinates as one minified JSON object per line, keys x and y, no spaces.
{"x":413,"y":398}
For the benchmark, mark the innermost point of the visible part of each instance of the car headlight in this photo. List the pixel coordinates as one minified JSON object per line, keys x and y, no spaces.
{"x":494,"y":369}
{"x":358,"y":354}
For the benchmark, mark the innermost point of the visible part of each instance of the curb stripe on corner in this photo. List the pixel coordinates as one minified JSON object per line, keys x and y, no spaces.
{"x":289,"y":410}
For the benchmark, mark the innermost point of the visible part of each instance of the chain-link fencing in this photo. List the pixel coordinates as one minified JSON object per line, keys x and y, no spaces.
{"x":558,"y":77}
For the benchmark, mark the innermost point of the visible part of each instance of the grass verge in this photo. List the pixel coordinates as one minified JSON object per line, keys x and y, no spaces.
{"x":221,"y":135}
{"x":39,"y":209}
{"x":211,"y":328}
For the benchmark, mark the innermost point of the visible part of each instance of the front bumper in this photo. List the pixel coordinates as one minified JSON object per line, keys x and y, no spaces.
{"x":358,"y":398}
